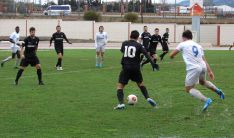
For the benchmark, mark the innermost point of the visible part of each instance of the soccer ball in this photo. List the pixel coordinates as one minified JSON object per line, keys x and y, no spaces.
{"x":132,"y":99}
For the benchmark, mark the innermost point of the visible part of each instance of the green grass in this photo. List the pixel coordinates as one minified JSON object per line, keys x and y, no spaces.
{"x":79,"y":101}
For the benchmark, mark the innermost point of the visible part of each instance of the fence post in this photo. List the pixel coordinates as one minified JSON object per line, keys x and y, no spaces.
{"x":129,"y":29}
{"x":174,"y":33}
{"x":26,"y":27}
{"x":218,"y":35}
{"x":93,"y":26}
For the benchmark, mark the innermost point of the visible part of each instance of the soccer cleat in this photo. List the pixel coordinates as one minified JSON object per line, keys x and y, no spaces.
{"x":16,"y":67}
{"x":207,"y":104}
{"x":151,"y":102}
{"x":41,"y":83}
{"x":220,"y":93}
{"x":97,"y":66}
{"x":100,"y":66}
{"x":15,"y":82}
{"x":60,"y":68}
{"x":119,"y":106}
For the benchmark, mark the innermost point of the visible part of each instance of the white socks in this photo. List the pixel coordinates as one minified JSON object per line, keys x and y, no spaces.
{"x":197,"y":94}
{"x":210,"y":85}
{"x":17,"y":62}
{"x":97,"y":60}
{"x":6,"y":59}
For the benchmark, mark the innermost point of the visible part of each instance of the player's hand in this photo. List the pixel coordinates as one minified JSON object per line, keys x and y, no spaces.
{"x":22,"y":56}
{"x":155,"y":67}
{"x":211,"y":75}
{"x":18,"y":44}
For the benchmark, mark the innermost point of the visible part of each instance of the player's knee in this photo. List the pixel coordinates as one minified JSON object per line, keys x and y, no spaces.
{"x":140,"y":84}
{"x":202,"y":82}
{"x":120,"y":86}
{"x":188,"y":88}
{"x":38,"y":66}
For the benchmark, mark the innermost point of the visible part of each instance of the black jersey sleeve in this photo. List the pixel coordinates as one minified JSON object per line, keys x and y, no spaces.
{"x":38,"y":40}
{"x":52,"y":38}
{"x":122,"y":47}
{"x":25,"y":42}
{"x":65,"y":37}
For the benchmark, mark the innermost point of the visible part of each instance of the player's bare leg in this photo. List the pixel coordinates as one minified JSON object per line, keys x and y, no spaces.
{"x":212,"y":87}
{"x":120,"y":96}
{"x":146,"y":94}
{"x":39,"y":74}
{"x":18,"y":59}
{"x":197,"y":94}
{"x":59,"y":63}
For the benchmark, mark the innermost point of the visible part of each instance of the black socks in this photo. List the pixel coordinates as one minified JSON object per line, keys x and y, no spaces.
{"x":19,"y":74}
{"x":120,"y":96}
{"x":144,"y":92}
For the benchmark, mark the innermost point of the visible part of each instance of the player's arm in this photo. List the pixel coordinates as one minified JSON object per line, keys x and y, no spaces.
{"x":51,"y":39}
{"x":174,"y":53}
{"x":12,"y":41}
{"x":37,"y":44}
{"x":22,"y":50}
{"x":95,"y":41}
{"x":65,"y":37}
{"x":106,"y":39}
{"x":209,"y":70}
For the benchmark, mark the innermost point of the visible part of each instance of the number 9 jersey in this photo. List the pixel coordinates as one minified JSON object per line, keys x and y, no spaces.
{"x":131,"y":54}
{"x":192,"y":54}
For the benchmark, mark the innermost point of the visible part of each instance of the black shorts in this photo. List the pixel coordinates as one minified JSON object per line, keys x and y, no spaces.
{"x":16,"y":54}
{"x":59,"y":50}
{"x":29,"y":61}
{"x":165,"y":47}
{"x":130,"y":74}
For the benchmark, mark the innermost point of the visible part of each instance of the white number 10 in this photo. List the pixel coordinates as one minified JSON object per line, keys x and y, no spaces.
{"x":130,"y":51}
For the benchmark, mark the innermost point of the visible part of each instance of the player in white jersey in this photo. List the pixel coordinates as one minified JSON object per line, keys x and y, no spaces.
{"x":15,"y":47}
{"x":101,"y":40}
{"x":196,"y":68}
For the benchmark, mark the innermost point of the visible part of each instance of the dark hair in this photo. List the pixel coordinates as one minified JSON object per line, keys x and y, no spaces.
{"x":187,"y":34}
{"x":101,"y":26}
{"x":17,"y":27}
{"x":58,"y":26}
{"x":167,"y":28}
{"x":145,"y":26}
{"x":32,"y":29}
{"x":134,"y":34}
{"x":156,"y":29}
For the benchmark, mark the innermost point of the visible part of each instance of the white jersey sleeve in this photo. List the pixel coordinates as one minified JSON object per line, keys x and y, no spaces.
{"x":15,"y":37}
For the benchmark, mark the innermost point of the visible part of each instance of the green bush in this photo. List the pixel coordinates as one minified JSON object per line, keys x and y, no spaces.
{"x":131,"y":17}
{"x":92,"y":16}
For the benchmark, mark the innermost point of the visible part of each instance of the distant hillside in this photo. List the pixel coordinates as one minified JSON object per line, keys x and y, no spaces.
{"x":215,"y":2}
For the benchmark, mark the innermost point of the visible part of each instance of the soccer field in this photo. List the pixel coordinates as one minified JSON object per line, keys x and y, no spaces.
{"x":79,"y":101}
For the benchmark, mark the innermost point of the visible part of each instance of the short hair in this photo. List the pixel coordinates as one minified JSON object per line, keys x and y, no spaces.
{"x":58,"y":26}
{"x":134,"y":34}
{"x":187,"y":34}
{"x":156,"y":29}
{"x":145,"y":26}
{"x":17,"y":27}
{"x":32,"y":29}
{"x":167,"y":28}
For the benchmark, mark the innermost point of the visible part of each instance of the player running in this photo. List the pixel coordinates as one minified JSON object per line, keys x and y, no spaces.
{"x":29,"y":56}
{"x":155,"y":39}
{"x":131,"y":68}
{"x":15,"y":48}
{"x":101,"y":40}
{"x":165,"y":43}
{"x":145,"y":40}
{"x":58,"y":37}
{"x":196,"y":67}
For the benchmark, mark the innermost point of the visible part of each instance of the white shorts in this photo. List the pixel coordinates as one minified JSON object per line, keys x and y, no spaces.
{"x":193,"y":76}
{"x":14,"y":49}
{"x":100,"y":49}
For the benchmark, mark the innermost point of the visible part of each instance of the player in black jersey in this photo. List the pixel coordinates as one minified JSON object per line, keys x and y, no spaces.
{"x":145,"y":40}
{"x":58,"y":37}
{"x":29,"y":56}
{"x":155,"y":39}
{"x":131,"y":68}
{"x":165,"y":43}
